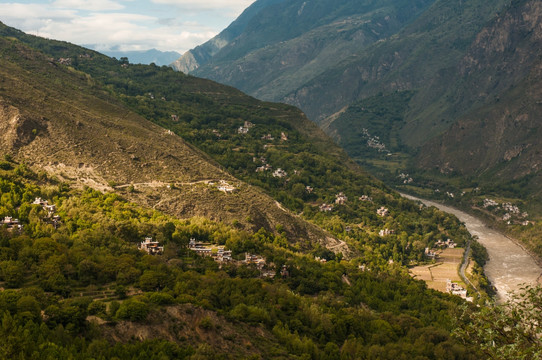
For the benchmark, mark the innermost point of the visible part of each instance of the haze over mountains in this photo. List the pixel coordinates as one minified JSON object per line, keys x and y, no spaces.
{"x":145,"y":57}
{"x":437,"y":76}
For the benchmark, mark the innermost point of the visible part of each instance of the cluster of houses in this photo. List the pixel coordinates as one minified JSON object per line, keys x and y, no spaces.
{"x":11,"y":223}
{"x":449,"y":243}
{"x":266,"y":270}
{"x":456,"y":289}
{"x":326,"y":207}
{"x":489,"y":203}
{"x":51,"y":218}
{"x":512,"y":212}
{"x":263,"y":168}
{"x":225,"y":187}
{"x":320,"y":259}
{"x":432,"y":253}
{"x":269,"y":137}
{"x":406,"y":178}
{"x":374,"y":142}
{"x":65,"y":61}
{"x":218,"y":253}
{"x":221,"y":255}
{"x":245,"y":128}
{"x":217,"y":133}
{"x":382,"y":211}
{"x":280,"y":173}
{"x":385,"y":232}
{"x":365,"y":198}
{"x":151,"y":247}
{"x":341,"y":199}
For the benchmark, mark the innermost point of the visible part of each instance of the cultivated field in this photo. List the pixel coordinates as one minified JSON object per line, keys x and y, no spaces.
{"x":446,"y":267}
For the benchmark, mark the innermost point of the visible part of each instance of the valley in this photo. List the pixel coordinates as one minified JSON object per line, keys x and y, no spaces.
{"x":446,"y":91}
{"x":146,"y":213}
{"x":125,"y":152}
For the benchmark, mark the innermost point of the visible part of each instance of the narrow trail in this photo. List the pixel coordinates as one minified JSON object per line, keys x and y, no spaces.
{"x":166,"y":183}
{"x":464,"y":265}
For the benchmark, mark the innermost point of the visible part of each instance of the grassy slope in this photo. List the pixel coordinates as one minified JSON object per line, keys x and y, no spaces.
{"x":80,"y":133}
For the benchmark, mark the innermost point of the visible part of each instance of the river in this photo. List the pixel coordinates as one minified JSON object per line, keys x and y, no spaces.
{"x":509,"y":265}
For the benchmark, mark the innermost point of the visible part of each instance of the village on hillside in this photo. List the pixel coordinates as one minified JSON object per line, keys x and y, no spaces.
{"x":220,"y":255}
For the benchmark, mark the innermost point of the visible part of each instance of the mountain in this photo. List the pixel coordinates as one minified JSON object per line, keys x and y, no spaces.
{"x":501,"y":70}
{"x":406,"y":87}
{"x":297,"y":40}
{"x":201,"y":54}
{"x":101,"y":155}
{"x":157,"y":57}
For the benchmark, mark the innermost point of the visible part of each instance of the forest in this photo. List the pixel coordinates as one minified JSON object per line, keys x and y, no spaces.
{"x":52,"y":275}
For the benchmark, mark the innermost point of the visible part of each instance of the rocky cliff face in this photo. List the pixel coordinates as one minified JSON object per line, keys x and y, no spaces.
{"x":503,"y":70}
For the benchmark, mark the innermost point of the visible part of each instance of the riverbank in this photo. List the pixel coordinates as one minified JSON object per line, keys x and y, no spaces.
{"x":509,"y":266}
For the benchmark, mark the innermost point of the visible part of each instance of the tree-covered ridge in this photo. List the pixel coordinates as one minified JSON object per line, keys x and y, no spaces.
{"x":89,"y":265}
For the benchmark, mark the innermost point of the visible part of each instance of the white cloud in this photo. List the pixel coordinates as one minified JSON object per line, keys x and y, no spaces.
{"x":93,"y":5}
{"x":32,"y":17}
{"x":123,"y":24}
{"x":235,"y":6}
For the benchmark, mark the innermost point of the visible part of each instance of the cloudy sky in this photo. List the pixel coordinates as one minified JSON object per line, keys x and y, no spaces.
{"x":167,"y":25}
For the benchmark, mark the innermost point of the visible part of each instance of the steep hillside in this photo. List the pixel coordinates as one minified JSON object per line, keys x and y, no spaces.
{"x":503,"y":68}
{"x":298,"y":40}
{"x":421,"y":57}
{"x":57,"y":119}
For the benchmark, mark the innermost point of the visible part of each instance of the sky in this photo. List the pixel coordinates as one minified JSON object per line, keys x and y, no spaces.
{"x":125,"y":25}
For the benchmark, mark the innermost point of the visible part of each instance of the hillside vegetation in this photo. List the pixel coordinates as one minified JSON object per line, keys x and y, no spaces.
{"x":450,"y":88}
{"x":95,"y":137}
{"x":72,"y":288}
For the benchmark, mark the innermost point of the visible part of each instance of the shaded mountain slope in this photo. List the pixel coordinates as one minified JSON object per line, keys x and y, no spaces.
{"x":201,"y":54}
{"x":502,"y":68}
{"x":298,"y":40}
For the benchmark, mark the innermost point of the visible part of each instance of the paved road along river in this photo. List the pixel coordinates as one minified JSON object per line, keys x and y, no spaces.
{"x":509,"y":265}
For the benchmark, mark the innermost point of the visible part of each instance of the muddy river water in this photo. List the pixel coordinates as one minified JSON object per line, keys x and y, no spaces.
{"x":509,"y":265}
